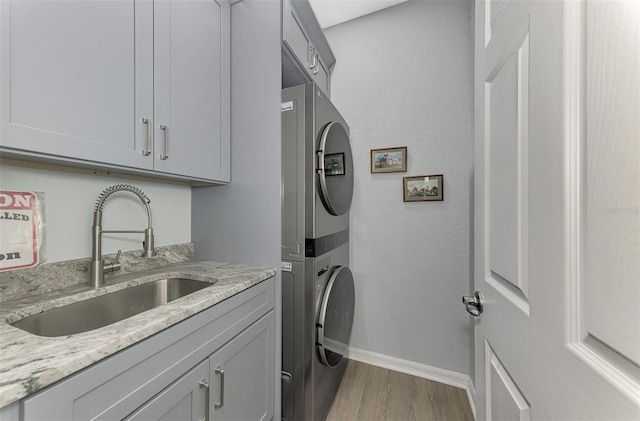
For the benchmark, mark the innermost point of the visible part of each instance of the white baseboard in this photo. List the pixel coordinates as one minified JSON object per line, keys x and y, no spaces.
{"x":415,"y":369}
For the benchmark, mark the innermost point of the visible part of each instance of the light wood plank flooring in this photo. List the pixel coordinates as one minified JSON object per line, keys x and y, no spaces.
{"x":371,"y":393}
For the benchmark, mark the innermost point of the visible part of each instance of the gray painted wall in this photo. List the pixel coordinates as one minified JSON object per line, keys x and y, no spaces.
{"x":241,"y":222}
{"x":404,"y":77}
{"x":70,"y":199}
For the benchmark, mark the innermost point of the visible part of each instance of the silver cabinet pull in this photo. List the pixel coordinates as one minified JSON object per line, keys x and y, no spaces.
{"x":165,"y":129}
{"x":314,"y":57}
{"x":473,"y":304}
{"x":220,"y":371}
{"x":317,"y":68}
{"x":204,"y":384}
{"x":147,"y":151}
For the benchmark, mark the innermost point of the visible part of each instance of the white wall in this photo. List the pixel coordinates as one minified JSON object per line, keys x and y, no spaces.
{"x":69,"y":203}
{"x":404,"y":78}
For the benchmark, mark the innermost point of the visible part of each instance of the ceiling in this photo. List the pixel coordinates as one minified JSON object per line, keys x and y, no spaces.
{"x":333,"y":12}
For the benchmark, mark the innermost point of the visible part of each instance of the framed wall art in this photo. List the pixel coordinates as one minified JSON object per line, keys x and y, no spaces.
{"x":423,"y":188}
{"x":389,"y":160}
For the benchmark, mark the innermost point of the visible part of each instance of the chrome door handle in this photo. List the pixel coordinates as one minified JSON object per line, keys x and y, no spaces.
{"x":473,"y":304}
{"x":165,"y":129}
{"x":220,"y":371}
{"x":204,"y":384}
{"x":147,"y":151}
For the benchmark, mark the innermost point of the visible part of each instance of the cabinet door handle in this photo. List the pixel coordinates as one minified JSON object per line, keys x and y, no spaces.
{"x":165,"y":129}
{"x":220,"y":371}
{"x":314,"y":57}
{"x":204,"y":384}
{"x":317,"y":68}
{"x":147,"y":151}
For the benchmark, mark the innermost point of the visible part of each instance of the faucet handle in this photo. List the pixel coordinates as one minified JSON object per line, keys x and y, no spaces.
{"x":113,"y":266}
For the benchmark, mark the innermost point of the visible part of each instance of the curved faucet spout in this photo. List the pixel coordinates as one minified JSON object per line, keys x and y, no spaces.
{"x":97,"y":267}
{"x":97,"y":216}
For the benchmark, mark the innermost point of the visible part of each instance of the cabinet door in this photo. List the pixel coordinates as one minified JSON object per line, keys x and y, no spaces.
{"x":74,"y":78}
{"x":192,"y":88}
{"x":185,"y":399}
{"x":242,"y":375}
{"x":295,"y":37}
{"x":321,"y":77}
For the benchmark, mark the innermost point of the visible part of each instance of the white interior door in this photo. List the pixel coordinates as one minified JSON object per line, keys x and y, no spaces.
{"x":557,"y":219}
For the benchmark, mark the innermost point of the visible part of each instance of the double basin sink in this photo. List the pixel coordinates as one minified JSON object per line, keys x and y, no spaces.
{"x":104,"y":310}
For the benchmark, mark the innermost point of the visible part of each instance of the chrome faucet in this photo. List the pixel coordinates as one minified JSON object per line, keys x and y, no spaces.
{"x":98,"y":267}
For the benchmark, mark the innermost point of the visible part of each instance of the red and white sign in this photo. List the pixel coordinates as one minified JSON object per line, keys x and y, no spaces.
{"x":19,"y":236}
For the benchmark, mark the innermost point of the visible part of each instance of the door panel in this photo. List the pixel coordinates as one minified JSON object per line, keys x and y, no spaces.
{"x":612,"y":250}
{"x":507,"y":117}
{"x":545,"y":176}
{"x":505,"y":401}
{"x":495,"y":7}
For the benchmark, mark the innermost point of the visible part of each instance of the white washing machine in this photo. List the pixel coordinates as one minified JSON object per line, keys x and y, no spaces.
{"x":317,"y":284}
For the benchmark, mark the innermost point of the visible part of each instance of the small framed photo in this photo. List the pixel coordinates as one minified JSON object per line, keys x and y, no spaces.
{"x":389,"y":160}
{"x":423,"y":188}
{"x":334,"y":164}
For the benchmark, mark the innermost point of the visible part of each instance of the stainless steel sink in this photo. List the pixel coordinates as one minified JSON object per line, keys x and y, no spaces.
{"x":109,"y":308}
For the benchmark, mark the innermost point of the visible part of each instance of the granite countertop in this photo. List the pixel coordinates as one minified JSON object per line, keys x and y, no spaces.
{"x":29,"y":363}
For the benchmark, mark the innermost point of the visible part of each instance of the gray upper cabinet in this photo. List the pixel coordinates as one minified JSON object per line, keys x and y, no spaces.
{"x":71,"y":73}
{"x":307,"y":55}
{"x":136,"y":85}
{"x":191,"y":107}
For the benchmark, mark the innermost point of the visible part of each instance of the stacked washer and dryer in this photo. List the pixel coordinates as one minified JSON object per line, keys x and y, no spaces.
{"x":317,"y":285}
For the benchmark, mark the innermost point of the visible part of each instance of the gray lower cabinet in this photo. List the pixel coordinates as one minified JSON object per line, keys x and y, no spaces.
{"x":241,"y":377}
{"x":234,"y":383}
{"x":219,"y":362}
{"x":184,"y":400}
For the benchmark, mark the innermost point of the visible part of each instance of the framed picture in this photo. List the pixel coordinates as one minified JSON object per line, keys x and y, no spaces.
{"x":389,"y":160}
{"x":334,"y":164}
{"x":423,"y":188}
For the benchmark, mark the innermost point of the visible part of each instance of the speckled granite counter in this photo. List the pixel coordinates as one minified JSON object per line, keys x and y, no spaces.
{"x":29,"y":363}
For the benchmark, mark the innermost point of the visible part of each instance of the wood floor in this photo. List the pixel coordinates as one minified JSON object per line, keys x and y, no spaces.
{"x":371,"y":393}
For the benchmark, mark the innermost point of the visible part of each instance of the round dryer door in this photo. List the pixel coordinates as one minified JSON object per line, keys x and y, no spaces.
{"x":336,"y":317}
{"x":335,"y":166}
